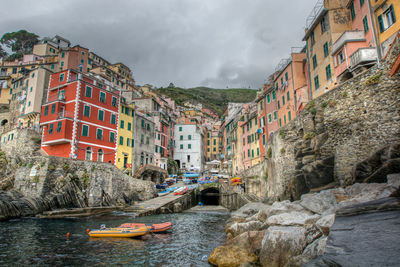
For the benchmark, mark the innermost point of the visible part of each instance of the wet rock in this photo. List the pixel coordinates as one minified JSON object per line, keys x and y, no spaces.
{"x":251,"y":241}
{"x":281,"y":244}
{"x":231,"y":256}
{"x":364,"y":237}
{"x":238,"y":228}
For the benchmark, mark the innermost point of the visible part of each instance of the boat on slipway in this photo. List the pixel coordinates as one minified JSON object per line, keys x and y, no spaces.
{"x":120,"y":232}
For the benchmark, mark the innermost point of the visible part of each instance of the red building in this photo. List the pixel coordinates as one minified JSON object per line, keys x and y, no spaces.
{"x":80,"y":118}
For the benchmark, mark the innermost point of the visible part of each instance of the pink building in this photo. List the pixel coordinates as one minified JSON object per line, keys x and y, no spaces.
{"x":355,"y":50}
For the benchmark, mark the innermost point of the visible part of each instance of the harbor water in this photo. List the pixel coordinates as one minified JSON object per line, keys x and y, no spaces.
{"x":43,"y":242}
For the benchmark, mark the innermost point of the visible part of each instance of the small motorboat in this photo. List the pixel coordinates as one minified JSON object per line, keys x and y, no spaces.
{"x":154,"y":228}
{"x":172,"y":189}
{"x":164,"y":193}
{"x":161,"y":186}
{"x":181,"y":190}
{"x":120,"y":232}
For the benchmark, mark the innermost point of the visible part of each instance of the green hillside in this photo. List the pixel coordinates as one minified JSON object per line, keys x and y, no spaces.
{"x":214,"y":99}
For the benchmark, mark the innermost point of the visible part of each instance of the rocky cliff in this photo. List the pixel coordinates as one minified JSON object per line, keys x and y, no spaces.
{"x":335,"y":132}
{"x":32,"y":183}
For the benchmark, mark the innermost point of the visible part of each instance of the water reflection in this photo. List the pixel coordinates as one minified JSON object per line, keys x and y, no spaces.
{"x":43,"y":242}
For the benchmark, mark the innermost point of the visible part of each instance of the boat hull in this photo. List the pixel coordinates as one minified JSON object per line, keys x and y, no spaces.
{"x":154,"y":228}
{"x":119,"y":232}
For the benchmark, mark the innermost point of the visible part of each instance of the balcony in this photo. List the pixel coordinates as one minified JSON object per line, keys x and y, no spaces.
{"x":347,"y":37}
{"x":54,"y":98}
{"x":65,"y":115}
{"x":363,"y":56}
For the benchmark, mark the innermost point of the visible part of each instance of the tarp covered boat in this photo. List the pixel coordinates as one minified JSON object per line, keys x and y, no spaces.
{"x":181,"y":190}
{"x":154,"y":228}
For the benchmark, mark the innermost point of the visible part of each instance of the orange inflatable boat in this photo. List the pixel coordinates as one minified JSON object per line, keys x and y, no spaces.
{"x":154,"y":228}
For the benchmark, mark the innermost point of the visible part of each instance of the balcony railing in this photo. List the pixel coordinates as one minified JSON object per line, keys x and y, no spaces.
{"x":53,"y":98}
{"x":362,"y":56}
{"x":65,"y":114}
{"x":348,"y":36}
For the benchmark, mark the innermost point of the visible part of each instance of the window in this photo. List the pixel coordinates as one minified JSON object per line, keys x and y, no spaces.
{"x":86,"y":111}
{"x":62,"y":64}
{"x":215,"y":142}
{"x":101,"y":115}
{"x":189,"y":137}
{"x":252,"y":153}
{"x":99,"y":134}
{"x":214,"y":149}
{"x":258,"y":151}
{"x":102,"y":97}
{"x":328,"y":72}
{"x":142,"y":123}
{"x":279,"y":105}
{"x":128,"y":142}
{"x":62,"y":55}
{"x":181,"y":137}
{"x":53,"y":108}
{"x":284,"y":118}
{"x":51,"y":129}
{"x":100,"y":155}
{"x":148,"y":127}
{"x":281,"y":80}
{"x":30,"y":89}
{"x":288,"y":95}
{"x":273,"y":95}
{"x":46,"y":110}
{"x":323,"y":25}
{"x":316,"y":82}
{"x":180,"y":129}
{"x":114,"y":101}
{"x":248,"y":152}
{"x":121,"y":140}
{"x":61,"y":77}
{"x":268,"y":98}
{"x":386,"y":19}
{"x":280,"y":122}
{"x":181,"y":146}
{"x":127,"y":111}
{"x":88,"y":91}
{"x":326,"y":49}
{"x":289,"y":116}
{"x":29,"y":103}
{"x":275,"y":115}
{"x":352,"y":11}
{"x":147,"y":140}
{"x":88,"y":155}
{"x":361,"y":2}
{"x":159,"y":137}
{"x":263,"y":139}
{"x":129,"y":126}
{"x":113,"y":119}
{"x":283,"y":100}
{"x":59,"y":126}
{"x":112,"y":137}
{"x":340,"y":57}
{"x":142,"y":139}
{"x":269,"y":118}
{"x":208,"y":142}
{"x":189,"y":146}
{"x":312,"y":37}
{"x":314,"y":61}
{"x":52,"y":66}
{"x":122,"y":124}
{"x":365,"y":23}
{"x":85,"y":130}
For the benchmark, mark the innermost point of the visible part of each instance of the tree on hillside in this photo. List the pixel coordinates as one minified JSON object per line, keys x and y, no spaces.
{"x":171,"y":85}
{"x":20,"y":42}
{"x":3,"y":53}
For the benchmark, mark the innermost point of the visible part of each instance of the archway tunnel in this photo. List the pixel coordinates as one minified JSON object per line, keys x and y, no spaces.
{"x":210,"y":196}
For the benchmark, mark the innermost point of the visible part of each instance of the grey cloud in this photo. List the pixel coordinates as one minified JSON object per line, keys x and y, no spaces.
{"x":217,"y":43}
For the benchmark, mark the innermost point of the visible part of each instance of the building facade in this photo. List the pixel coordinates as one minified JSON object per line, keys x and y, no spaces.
{"x":189,"y":146}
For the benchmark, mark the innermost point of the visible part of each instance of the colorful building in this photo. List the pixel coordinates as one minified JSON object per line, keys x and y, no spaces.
{"x":125,"y":142}
{"x":74,"y":58}
{"x":79,"y":118}
{"x":326,"y":23}
{"x":289,"y":78}
{"x":387,"y":23}
{"x":271,"y":107}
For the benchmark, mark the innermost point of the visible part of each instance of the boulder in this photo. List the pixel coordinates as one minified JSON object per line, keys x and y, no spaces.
{"x":284,"y":207}
{"x":281,"y":244}
{"x":319,"y":202}
{"x":319,"y":172}
{"x":292,"y":218}
{"x":231,"y":256}
{"x":238,"y":228}
{"x":250,"y":209}
{"x":178,"y":207}
{"x":249,"y":240}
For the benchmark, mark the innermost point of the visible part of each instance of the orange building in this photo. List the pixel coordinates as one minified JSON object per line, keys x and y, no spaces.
{"x":74,"y":58}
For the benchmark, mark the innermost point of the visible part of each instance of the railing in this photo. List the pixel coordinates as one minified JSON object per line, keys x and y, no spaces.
{"x":348,"y":36}
{"x":362,"y":55}
{"x":65,"y":114}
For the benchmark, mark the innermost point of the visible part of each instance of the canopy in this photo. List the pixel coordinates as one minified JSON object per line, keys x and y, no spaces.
{"x":191,"y":175}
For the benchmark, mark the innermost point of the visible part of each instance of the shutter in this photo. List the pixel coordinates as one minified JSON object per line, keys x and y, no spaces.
{"x":392,"y":11}
{"x":381,"y":26}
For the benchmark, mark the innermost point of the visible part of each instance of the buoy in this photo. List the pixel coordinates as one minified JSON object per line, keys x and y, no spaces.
{"x":87,"y":230}
{"x":68,"y":234}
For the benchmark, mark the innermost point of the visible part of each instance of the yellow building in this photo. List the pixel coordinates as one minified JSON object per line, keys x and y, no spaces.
{"x":254,"y":145}
{"x":125,"y":142}
{"x":326,"y":23}
{"x":387,"y":22}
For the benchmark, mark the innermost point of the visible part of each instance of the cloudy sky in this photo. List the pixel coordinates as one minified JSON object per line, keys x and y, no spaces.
{"x":216,"y":43}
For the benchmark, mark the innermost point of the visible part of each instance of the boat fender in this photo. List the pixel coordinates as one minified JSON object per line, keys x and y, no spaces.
{"x":87,"y":230}
{"x":68,"y":235}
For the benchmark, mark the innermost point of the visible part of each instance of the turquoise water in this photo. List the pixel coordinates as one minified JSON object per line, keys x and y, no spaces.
{"x":43,"y":242}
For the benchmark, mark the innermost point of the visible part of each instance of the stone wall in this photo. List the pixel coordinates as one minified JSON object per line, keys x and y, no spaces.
{"x":332,"y":134}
